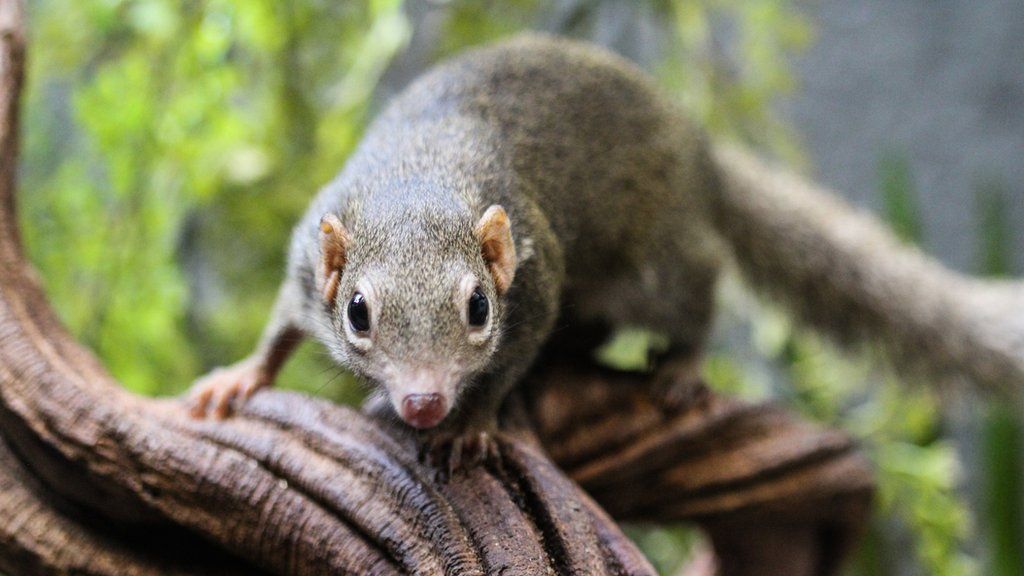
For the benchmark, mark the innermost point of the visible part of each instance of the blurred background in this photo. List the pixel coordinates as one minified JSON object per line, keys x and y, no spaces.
{"x":171,"y":144}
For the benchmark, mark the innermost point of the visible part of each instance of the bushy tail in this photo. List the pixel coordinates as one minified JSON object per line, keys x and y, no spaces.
{"x":844,"y":273}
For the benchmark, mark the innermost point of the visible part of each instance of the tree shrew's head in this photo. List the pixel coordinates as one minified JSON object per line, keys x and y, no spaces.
{"x":416,"y":300}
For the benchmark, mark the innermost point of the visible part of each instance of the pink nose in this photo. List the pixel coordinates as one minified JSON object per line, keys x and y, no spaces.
{"x":424,"y":410}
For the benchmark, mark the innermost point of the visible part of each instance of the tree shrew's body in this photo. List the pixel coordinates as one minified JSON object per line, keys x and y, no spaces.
{"x":530,"y":188}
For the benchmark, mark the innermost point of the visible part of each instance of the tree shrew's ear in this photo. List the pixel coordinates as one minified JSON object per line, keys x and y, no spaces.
{"x":494,"y":233}
{"x":334,"y":242}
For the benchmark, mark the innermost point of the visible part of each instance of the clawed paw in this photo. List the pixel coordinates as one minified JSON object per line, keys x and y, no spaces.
{"x":678,"y":384}
{"x":222,"y":391}
{"x":450,"y":454}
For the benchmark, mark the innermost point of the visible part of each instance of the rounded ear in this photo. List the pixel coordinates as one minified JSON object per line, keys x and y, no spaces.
{"x":334,"y":242}
{"x":494,"y":233}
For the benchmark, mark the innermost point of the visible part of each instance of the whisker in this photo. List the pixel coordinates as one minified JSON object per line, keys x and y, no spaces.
{"x":330,"y":381}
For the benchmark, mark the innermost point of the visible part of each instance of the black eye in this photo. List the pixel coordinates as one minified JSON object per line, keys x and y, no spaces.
{"x":478,"y":308}
{"x":358,"y":313}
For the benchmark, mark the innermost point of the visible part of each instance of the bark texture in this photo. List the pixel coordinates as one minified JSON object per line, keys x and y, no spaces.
{"x":95,"y":480}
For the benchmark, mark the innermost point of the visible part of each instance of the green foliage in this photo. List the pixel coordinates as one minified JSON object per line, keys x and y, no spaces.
{"x":1003,"y":430}
{"x":734,"y":92}
{"x":164,"y":132}
{"x":630,"y":349}
{"x":472,"y":22}
{"x":995,"y":253}
{"x":1002,"y":440}
{"x":918,"y":472}
{"x":667,"y":548}
{"x":897,"y":194}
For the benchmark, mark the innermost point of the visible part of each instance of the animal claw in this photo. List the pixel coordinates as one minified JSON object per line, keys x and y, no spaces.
{"x":451,"y":454}
{"x":223,"y":390}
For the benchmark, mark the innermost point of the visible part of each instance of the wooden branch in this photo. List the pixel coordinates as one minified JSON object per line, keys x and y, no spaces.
{"x":12,"y":74}
{"x":37,"y":538}
{"x":775,"y":494}
{"x":96,"y":480}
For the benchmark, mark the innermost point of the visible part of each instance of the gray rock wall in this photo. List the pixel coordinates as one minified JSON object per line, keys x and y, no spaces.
{"x":940,"y":82}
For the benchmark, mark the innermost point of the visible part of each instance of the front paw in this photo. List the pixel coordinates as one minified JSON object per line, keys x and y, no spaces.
{"x":224,"y":390}
{"x":450,"y":453}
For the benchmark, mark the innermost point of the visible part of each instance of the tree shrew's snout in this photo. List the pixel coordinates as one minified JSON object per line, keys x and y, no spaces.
{"x":424,"y":410}
{"x":422,"y":397}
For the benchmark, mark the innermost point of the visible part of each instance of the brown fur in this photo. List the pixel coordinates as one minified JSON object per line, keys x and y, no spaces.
{"x":620,"y":214}
{"x":845,"y":274}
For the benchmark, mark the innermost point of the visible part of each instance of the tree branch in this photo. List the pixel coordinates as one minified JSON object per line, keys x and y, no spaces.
{"x":775,"y":494}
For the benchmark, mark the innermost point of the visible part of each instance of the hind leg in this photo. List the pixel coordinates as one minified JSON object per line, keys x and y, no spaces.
{"x":678,"y":381}
{"x":670,"y":293}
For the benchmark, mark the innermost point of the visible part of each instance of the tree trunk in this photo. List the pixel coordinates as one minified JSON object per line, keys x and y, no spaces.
{"x":95,"y":480}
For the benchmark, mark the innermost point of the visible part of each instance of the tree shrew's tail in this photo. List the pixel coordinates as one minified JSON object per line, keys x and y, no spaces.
{"x":844,"y":273}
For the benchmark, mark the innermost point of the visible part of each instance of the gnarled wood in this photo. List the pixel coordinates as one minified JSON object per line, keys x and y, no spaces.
{"x":95,"y":480}
{"x":775,"y":494}
{"x":36,"y":537}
